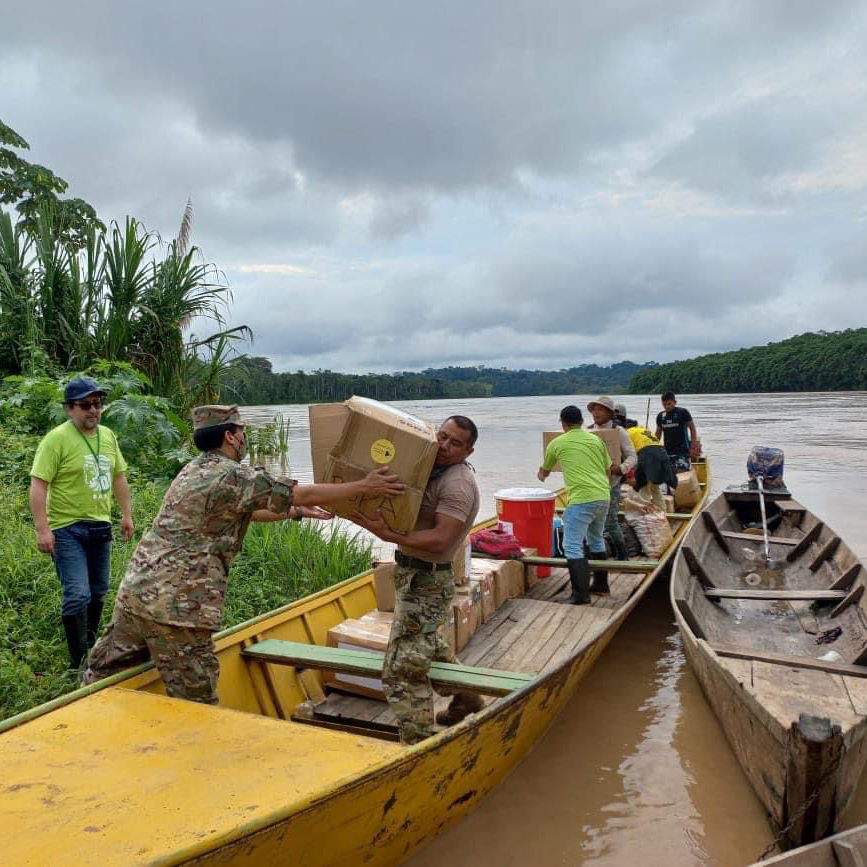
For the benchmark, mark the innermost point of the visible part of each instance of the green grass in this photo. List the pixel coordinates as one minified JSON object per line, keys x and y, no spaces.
{"x":279,"y":563}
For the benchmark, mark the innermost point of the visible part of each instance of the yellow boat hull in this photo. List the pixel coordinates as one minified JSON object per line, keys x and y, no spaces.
{"x":352,"y":799}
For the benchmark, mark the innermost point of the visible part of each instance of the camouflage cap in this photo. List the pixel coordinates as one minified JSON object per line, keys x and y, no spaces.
{"x":211,"y":416}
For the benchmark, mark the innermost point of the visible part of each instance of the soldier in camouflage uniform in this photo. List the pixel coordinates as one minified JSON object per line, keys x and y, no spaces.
{"x":424,"y":587}
{"x":171,"y":599}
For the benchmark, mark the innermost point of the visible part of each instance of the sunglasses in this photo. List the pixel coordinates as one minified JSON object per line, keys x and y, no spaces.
{"x":87,"y":404}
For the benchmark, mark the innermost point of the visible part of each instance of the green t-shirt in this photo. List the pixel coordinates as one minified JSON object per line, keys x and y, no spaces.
{"x":79,"y":488}
{"x":585,"y":462}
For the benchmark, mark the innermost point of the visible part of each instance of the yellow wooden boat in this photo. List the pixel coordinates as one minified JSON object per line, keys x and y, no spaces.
{"x":117,"y":773}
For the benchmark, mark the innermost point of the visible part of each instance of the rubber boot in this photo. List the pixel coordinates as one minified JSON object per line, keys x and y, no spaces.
{"x":600,"y":576}
{"x":75,"y":627}
{"x":94,"y":613}
{"x":461,"y":704}
{"x":579,"y":577}
{"x":620,"y":552}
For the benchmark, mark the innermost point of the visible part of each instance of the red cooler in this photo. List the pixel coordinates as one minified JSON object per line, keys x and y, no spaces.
{"x":530,"y":511}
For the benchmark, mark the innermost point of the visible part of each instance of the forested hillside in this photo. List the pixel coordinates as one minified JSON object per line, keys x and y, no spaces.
{"x":824,"y":361}
{"x":252,"y":381}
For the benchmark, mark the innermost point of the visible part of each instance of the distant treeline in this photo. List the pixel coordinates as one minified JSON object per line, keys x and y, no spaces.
{"x":824,"y":361}
{"x":252,"y":381}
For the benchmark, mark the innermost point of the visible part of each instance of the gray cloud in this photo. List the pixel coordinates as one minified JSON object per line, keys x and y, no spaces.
{"x":392,"y":185}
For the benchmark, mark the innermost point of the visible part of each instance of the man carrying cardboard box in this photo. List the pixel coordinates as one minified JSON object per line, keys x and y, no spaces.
{"x":171,"y":599}
{"x":602,"y":410}
{"x":424,"y":585}
{"x":585,"y":462}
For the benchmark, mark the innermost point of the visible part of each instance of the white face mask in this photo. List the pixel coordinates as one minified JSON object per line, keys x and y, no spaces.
{"x":241,"y":450}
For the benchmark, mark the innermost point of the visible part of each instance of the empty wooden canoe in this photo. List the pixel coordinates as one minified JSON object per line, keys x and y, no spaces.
{"x":756,"y":636}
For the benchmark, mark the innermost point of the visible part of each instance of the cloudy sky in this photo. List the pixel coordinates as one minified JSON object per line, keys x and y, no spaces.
{"x":395,"y":185}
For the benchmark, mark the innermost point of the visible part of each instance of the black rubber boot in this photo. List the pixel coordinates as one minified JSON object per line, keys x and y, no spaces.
{"x":75,"y":627}
{"x":94,"y":613}
{"x":600,"y":576}
{"x":579,"y":577}
{"x":620,"y":552}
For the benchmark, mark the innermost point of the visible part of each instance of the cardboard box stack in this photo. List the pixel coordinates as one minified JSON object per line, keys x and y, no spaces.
{"x":485,"y":582}
{"x":369,"y":632}
{"x":383,"y":576}
{"x":358,"y":634}
{"x":348,"y":440}
{"x":507,"y":577}
{"x":467,"y":612}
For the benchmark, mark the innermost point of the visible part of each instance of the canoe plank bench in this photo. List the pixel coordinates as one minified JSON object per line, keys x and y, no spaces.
{"x":485,"y":681}
{"x":781,"y":595}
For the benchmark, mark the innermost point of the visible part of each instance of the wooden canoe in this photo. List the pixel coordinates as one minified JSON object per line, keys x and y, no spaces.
{"x":846,"y":849}
{"x":795,"y":722}
{"x":116,"y":773}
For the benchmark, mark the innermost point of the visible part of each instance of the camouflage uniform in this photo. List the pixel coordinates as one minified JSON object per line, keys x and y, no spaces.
{"x":422,"y":601}
{"x":172,"y":596}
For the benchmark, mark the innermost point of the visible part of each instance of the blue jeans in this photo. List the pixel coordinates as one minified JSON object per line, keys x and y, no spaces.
{"x":82,"y":558}
{"x":584,"y":521}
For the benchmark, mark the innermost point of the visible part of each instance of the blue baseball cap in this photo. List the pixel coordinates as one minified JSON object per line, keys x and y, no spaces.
{"x":76,"y":389}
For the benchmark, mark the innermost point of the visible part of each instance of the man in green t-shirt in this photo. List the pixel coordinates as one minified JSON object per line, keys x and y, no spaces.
{"x":585,"y":462}
{"x":76,"y":467}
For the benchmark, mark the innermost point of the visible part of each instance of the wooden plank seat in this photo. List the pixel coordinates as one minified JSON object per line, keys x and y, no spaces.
{"x":807,"y":595}
{"x":486,"y":681}
{"x":792,"y":661}
{"x":611,"y":565}
{"x":757,"y":537}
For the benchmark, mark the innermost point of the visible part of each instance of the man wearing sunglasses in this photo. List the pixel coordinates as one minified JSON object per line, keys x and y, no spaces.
{"x":76,"y":467}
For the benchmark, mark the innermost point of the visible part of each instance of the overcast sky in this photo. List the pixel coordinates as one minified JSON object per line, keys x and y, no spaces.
{"x":396,"y":185}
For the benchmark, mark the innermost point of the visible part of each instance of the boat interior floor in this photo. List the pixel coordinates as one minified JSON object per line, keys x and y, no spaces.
{"x":532,"y":633}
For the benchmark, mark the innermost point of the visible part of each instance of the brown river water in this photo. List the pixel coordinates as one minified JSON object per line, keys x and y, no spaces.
{"x":636,"y":770}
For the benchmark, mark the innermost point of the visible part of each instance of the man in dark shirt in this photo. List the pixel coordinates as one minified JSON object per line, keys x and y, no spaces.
{"x":677,"y":429}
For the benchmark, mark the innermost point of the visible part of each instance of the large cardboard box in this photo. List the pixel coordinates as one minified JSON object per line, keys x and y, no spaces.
{"x":507,"y":575}
{"x":383,"y":585}
{"x":687,"y":493}
{"x":611,"y":438}
{"x":484,"y":580}
{"x":346,"y":444}
{"x":547,"y":436}
{"x":467,"y":606}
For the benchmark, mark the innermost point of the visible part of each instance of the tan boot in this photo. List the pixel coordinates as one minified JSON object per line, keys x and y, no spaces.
{"x":462,"y":704}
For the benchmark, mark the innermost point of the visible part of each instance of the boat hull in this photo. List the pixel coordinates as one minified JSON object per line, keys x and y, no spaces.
{"x":805,"y":767}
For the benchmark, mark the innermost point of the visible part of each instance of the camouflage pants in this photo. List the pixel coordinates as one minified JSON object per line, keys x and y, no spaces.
{"x":422,"y":601}
{"x":612,"y":522}
{"x":184,"y":657}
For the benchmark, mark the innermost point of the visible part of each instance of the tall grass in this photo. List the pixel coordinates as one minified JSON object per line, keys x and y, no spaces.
{"x":279,"y":563}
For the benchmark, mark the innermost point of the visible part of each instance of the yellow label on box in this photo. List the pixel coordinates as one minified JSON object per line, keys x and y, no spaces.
{"x":382,"y":451}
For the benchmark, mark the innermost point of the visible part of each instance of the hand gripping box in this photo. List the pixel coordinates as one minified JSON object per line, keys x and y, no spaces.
{"x":348,"y":440}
